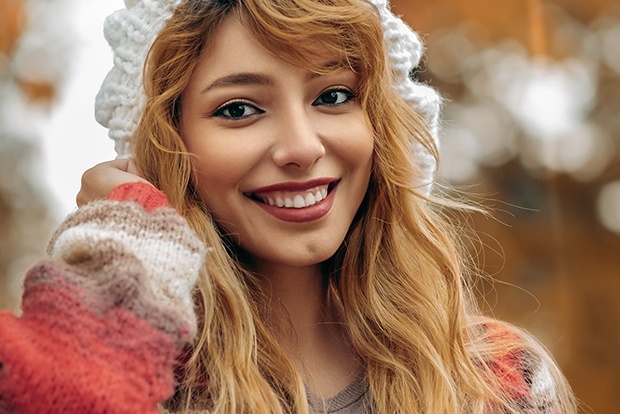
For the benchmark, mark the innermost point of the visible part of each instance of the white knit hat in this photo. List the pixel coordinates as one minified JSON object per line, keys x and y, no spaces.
{"x":131,"y":32}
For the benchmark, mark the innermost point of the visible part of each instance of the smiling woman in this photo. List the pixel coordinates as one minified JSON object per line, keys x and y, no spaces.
{"x":288,"y":136}
{"x":291,"y":133}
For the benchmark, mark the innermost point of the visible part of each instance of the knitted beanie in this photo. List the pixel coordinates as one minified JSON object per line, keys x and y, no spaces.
{"x":131,"y":32}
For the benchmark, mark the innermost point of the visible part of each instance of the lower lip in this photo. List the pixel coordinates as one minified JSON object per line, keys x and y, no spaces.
{"x":301,"y":215}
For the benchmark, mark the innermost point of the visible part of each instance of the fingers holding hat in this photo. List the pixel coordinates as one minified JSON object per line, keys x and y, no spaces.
{"x":99,"y":181}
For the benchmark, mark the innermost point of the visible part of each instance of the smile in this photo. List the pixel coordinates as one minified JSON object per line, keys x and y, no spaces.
{"x":280,"y":196}
{"x":296,"y":202}
{"x":285,"y":199}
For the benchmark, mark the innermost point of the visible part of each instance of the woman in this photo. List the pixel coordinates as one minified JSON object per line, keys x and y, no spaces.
{"x":288,"y":135}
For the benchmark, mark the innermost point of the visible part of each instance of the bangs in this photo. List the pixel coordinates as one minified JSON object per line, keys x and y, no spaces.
{"x":308,"y":33}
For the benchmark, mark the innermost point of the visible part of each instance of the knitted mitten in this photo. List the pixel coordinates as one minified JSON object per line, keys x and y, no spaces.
{"x":105,"y":317}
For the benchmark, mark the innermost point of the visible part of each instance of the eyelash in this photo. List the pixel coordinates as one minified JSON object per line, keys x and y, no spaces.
{"x":341,"y":89}
{"x":220,"y":112}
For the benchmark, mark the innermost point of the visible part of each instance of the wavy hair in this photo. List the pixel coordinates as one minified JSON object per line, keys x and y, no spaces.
{"x":399,"y":276}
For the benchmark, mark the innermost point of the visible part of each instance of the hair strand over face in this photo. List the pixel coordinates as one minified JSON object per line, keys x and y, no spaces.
{"x":398,"y":274}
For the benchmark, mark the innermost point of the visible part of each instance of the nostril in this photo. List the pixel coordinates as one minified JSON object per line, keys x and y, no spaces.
{"x":298,"y":147}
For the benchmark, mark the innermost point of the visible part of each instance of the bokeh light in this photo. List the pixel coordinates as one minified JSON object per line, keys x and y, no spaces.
{"x":608,"y":206}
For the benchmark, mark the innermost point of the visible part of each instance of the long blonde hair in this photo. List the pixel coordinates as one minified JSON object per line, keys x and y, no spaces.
{"x":398,"y":276}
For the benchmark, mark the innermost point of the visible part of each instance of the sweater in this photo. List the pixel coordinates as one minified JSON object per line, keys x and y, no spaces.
{"x":107,"y":313}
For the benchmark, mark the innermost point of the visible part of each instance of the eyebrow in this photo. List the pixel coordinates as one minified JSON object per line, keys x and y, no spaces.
{"x":240,"y":79}
{"x":249,"y":78}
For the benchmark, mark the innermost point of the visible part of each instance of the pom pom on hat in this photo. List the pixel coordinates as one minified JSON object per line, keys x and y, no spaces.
{"x":131,"y":32}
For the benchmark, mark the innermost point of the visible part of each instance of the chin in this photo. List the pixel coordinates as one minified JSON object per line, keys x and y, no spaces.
{"x":294,"y":258}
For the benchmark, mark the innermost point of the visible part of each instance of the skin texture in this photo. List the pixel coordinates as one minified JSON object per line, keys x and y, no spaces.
{"x":99,"y":181}
{"x":259,"y":128}
{"x":283,"y":131}
{"x":279,"y":125}
{"x":285,"y":127}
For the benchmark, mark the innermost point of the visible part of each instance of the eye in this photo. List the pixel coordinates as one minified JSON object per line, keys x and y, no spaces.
{"x":236,"y":110}
{"x":334,"y":97}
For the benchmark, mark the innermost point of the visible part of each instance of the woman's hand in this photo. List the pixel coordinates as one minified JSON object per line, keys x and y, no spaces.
{"x":100,"y":180}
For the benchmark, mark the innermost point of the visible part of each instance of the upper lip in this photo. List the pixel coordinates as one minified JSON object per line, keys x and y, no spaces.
{"x":293,"y":185}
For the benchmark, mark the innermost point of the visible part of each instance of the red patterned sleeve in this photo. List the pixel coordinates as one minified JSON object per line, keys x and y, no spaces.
{"x":106,"y":314}
{"x":523,"y":376}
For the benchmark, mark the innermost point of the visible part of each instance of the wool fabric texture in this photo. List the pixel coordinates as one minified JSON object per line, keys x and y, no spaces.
{"x":131,"y":32}
{"x":105,"y":316}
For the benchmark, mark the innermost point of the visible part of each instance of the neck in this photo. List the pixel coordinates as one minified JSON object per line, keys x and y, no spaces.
{"x":298,"y":301}
{"x":308,"y":327}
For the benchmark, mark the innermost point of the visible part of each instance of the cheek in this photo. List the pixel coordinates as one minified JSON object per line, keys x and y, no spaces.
{"x":216,"y":157}
{"x":358,"y":145}
{"x":209,"y":169}
{"x":214,"y":169}
{"x":220,"y":164}
{"x":215,"y":188}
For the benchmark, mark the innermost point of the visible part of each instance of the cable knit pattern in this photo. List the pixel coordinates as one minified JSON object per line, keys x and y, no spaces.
{"x":105,"y":317}
{"x":404,"y":53}
{"x":131,"y":32}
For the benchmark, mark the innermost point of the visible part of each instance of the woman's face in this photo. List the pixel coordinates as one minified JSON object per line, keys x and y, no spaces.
{"x":282,"y":156}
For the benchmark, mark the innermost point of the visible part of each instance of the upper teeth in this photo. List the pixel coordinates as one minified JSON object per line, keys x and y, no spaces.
{"x":297,"y":200}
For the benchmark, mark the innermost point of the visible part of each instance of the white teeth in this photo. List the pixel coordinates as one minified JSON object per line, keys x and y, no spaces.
{"x":310,"y":200}
{"x":304,"y":199}
{"x":299,"y":202}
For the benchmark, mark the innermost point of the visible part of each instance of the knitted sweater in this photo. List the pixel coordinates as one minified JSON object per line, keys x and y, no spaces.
{"x":105,"y":316}
{"x":108,"y":312}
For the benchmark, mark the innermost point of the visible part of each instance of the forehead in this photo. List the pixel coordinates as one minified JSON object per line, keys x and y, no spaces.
{"x":233,"y":46}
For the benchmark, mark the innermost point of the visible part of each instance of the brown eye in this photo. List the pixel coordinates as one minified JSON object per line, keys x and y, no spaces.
{"x":334,"y":97}
{"x":237,"y":110}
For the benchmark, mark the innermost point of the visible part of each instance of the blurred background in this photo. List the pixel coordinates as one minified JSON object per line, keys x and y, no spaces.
{"x":531,"y":130}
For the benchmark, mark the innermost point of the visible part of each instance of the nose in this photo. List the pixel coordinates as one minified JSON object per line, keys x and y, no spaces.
{"x":298,"y":143}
